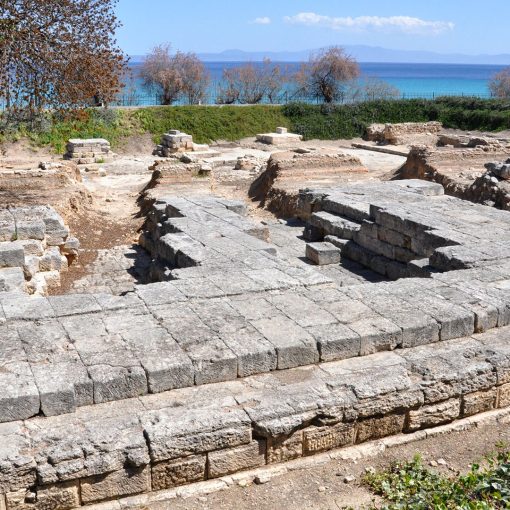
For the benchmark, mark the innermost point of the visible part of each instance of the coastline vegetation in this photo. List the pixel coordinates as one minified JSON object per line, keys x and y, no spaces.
{"x":229,"y":122}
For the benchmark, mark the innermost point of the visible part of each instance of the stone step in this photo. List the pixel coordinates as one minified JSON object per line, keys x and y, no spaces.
{"x":66,"y":352}
{"x":334,"y":224}
{"x":353,"y":210}
{"x":336,"y":241}
{"x":156,"y":442}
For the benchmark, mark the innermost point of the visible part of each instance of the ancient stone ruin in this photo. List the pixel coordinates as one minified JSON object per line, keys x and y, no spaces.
{"x":89,"y":151}
{"x":241,"y":357}
{"x":175,"y":142}
{"x":280,"y":137}
{"x":461,"y":167}
{"x":35,"y":247}
{"x":406,"y":133}
{"x":278,"y":185}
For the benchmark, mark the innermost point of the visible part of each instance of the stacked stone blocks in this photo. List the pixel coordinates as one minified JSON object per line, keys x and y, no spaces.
{"x":88,"y":151}
{"x":35,"y":246}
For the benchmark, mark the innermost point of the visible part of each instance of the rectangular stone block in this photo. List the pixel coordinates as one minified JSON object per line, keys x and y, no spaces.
{"x":19,"y":397}
{"x":225,"y":462}
{"x":62,"y":496}
{"x":11,"y":254}
{"x":166,"y":475}
{"x":323,"y":253}
{"x":255,"y":355}
{"x":62,"y":386}
{"x":115,"y":485}
{"x":321,"y":439}
{"x":173,"y":433}
{"x":167,"y":369}
{"x":283,"y":449}
{"x":294,"y":346}
{"x":376,"y":428}
{"x":377,"y":334}
{"x":212,"y":361}
{"x":117,"y":383}
{"x":336,"y":341}
{"x":436,"y":414}
{"x":504,"y":396}
{"x":479,"y":402}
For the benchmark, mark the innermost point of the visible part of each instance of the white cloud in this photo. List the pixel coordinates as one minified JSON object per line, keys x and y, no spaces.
{"x":403,"y":24}
{"x":262,"y":21}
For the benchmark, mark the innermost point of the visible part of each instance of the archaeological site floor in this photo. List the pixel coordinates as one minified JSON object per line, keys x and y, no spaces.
{"x":242,"y":353}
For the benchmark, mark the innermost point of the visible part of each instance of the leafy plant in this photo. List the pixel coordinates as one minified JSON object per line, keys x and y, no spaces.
{"x":412,"y":486}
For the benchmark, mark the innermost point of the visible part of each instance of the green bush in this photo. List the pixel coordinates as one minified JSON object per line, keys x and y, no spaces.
{"x":211,"y":123}
{"x":412,"y":486}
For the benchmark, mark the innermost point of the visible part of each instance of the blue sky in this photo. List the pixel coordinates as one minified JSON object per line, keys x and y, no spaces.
{"x":445,"y":26}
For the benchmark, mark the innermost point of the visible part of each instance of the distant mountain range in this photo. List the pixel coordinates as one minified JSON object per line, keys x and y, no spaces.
{"x":359,"y":52}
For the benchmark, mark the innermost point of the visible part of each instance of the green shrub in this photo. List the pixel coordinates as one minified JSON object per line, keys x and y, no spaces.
{"x":211,"y":123}
{"x":412,"y":486}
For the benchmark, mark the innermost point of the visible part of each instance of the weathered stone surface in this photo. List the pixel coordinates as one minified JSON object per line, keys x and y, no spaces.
{"x":293,"y":344}
{"x":63,"y":496}
{"x":11,"y":254}
{"x":114,"y":485}
{"x":376,"y":428}
{"x":323,"y":253}
{"x":17,"y":465}
{"x":178,"y":432}
{"x":19,"y":398}
{"x":437,"y":414}
{"x":479,"y":402}
{"x":319,"y":439}
{"x":166,"y":475}
{"x":225,"y":462}
{"x":283,"y":449}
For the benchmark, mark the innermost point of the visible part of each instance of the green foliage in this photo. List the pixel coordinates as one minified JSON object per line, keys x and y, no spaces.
{"x":351,"y":120}
{"x":210,"y":123}
{"x":411,"y":486}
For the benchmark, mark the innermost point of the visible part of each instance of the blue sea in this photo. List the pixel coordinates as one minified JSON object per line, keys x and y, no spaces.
{"x":412,"y":80}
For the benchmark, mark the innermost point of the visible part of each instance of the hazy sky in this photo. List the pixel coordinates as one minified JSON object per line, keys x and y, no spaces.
{"x":445,"y":26}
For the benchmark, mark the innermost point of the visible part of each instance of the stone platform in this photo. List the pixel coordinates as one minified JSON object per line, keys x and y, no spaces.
{"x":242,"y":358}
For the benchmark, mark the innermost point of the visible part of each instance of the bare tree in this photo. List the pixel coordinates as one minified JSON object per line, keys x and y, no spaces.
{"x":251,"y":84}
{"x":374,"y":89}
{"x":194,"y":77}
{"x":499,"y":84}
{"x":58,"y":54}
{"x":160,"y":74}
{"x":326,"y":74}
{"x":177,"y":76}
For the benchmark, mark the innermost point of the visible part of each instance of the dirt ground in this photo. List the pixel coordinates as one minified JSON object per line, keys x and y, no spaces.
{"x":327,"y":487}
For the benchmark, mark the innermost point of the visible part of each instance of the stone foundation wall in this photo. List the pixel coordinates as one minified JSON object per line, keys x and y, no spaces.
{"x":405,"y":133}
{"x":158,"y":442}
{"x":175,"y":142}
